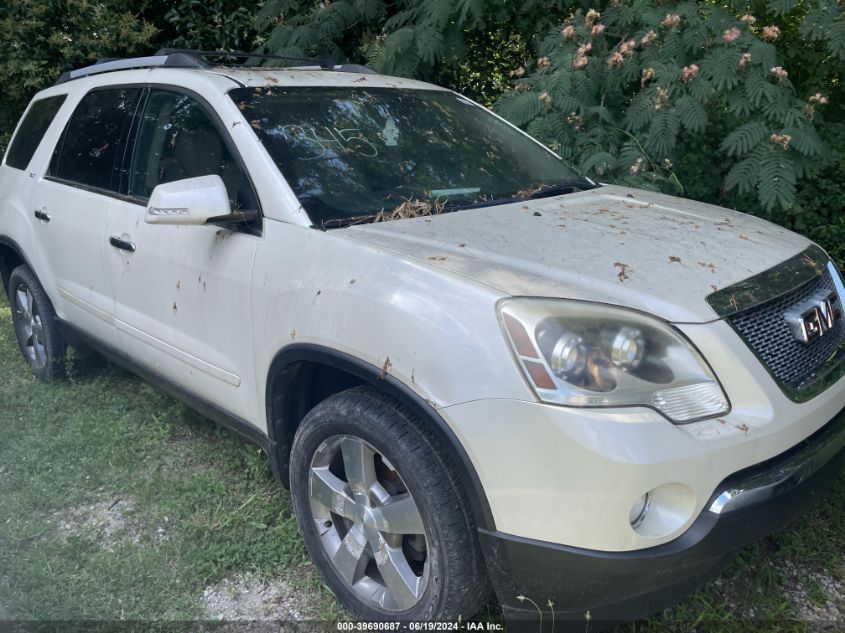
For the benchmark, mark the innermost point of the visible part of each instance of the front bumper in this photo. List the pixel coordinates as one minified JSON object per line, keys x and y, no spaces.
{"x":615,"y":586}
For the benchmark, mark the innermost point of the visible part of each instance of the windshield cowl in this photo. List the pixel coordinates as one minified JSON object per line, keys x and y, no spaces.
{"x":414,"y":209}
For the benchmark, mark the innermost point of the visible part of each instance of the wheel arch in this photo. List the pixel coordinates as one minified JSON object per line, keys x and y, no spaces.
{"x":11,"y":256}
{"x":303,"y":374}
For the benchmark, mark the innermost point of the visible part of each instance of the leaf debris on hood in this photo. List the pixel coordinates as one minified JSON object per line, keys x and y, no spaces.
{"x":413,"y":208}
{"x":623,"y":271}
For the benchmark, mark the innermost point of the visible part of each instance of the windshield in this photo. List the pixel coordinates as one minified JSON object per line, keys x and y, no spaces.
{"x":363,"y":154}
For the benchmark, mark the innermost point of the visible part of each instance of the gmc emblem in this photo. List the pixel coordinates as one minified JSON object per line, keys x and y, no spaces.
{"x":814,"y":318}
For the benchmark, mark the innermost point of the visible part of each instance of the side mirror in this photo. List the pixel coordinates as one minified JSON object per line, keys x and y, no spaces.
{"x":188,"y":201}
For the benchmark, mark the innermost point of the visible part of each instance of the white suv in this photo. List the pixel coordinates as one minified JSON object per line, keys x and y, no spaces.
{"x":473,"y":368}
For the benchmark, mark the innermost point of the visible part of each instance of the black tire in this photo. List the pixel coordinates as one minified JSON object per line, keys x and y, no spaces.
{"x":454,"y":581}
{"x":36,"y":325}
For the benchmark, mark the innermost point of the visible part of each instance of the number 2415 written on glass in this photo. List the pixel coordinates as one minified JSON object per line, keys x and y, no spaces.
{"x":315,"y":144}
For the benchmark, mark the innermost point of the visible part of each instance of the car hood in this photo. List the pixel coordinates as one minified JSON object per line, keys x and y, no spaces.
{"x":639,"y":249}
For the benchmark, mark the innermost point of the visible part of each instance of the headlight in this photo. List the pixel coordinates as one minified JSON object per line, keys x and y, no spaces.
{"x":592,"y":355}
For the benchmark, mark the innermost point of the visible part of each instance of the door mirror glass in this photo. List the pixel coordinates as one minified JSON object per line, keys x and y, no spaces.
{"x":188,"y":201}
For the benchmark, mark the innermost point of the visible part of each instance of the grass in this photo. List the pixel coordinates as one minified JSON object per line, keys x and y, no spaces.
{"x":104,"y":436}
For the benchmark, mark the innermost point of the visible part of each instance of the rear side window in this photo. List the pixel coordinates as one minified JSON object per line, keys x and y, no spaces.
{"x":90,"y":150}
{"x":32,"y":130}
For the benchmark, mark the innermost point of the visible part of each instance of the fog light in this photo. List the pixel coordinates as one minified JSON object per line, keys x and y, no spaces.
{"x":568,"y":356}
{"x":663,"y":511}
{"x":639,"y":510}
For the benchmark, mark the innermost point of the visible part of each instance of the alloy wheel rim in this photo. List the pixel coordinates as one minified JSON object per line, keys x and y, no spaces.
{"x":368,"y":523}
{"x":28,"y":319}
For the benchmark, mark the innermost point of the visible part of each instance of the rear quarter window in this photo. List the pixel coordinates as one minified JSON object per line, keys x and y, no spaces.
{"x":32,"y":130}
{"x":89,"y":150}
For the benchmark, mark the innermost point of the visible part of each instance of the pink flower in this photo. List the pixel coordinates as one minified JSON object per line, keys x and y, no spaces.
{"x":580,"y":61}
{"x":544,"y":62}
{"x":648,"y":38}
{"x":584,"y":48}
{"x":519,"y":72}
{"x":779,"y":72}
{"x":569,"y":32}
{"x":688,"y":73}
{"x":545,"y":98}
{"x":636,"y":167}
{"x":781,"y":139}
{"x":522,"y":87}
{"x":748,"y":19}
{"x":598,"y":29}
{"x":627,"y":47}
{"x":770,"y":33}
{"x":731,"y":35}
{"x":744,"y":60}
{"x":615,"y":60}
{"x":591,"y":16}
{"x":647,"y":75}
{"x":818,"y":98}
{"x":671,"y":21}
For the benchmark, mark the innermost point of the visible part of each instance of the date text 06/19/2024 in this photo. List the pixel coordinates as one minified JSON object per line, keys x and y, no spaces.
{"x":481,"y":627}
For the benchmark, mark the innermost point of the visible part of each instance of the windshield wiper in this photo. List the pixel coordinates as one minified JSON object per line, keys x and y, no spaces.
{"x":350,"y":220}
{"x":582,"y":184}
{"x":559,"y":189}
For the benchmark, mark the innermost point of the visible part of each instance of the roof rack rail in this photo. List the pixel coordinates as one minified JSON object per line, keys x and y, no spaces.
{"x":188,"y":58}
{"x":323,"y":62}
{"x":152,"y":61}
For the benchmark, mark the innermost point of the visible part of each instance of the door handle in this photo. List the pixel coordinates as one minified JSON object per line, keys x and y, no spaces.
{"x":41,"y":215}
{"x":124,"y":245}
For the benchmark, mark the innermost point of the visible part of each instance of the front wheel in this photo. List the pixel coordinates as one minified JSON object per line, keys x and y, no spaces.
{"x":36,"y":325}
{"x":382,"y":514}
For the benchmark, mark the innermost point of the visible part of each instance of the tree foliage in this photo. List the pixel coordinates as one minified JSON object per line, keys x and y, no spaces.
{"x":46,"y":37}
{"x":624,"y":92}
{"x":217,"y":25}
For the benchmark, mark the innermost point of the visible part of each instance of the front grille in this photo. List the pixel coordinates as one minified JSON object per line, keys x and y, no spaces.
{"x":767,"y":332}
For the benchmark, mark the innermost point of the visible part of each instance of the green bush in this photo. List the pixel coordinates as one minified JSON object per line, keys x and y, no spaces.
{"x":216,"y":25}
{"x":44,"y":38}
{"x":627,"y":92}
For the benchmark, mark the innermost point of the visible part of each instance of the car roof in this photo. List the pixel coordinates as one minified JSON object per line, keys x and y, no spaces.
{"x":306,"y":76}
{"x":182,"y":65}
{"x":221,"y":80}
